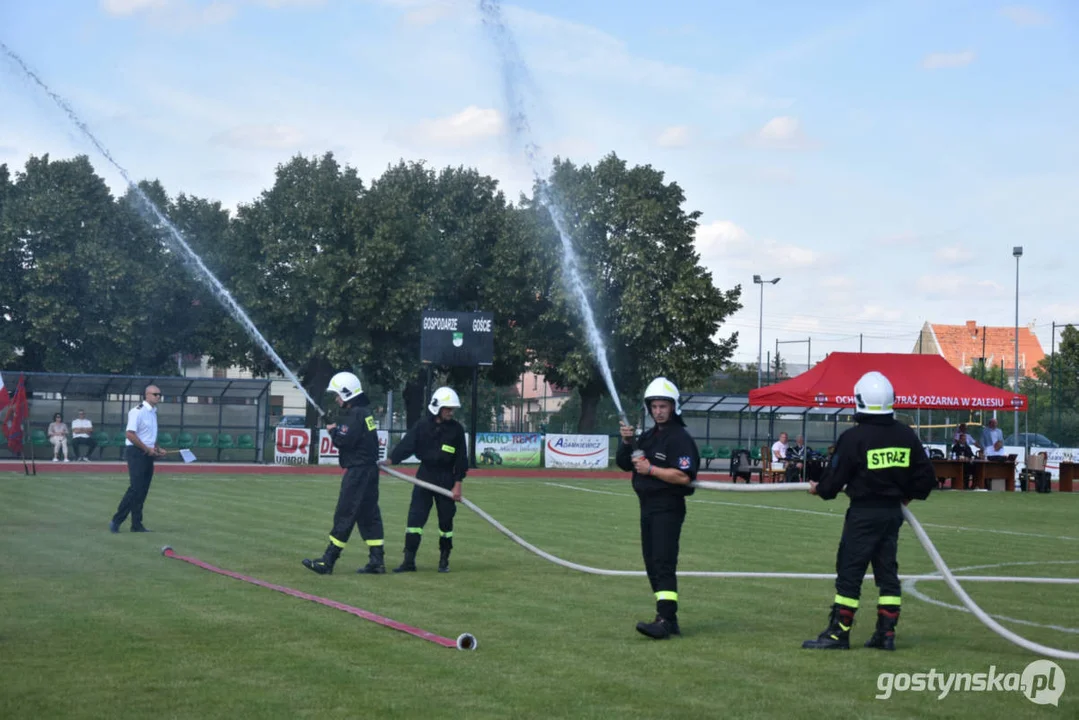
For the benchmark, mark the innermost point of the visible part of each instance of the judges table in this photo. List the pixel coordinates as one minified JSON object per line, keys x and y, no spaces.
{"x":1068,"y":471}
{"x":983,"y":471}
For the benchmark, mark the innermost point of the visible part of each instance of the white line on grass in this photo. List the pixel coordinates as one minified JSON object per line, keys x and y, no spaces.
{"x":910,"y":586}
{"x":834,"y":515}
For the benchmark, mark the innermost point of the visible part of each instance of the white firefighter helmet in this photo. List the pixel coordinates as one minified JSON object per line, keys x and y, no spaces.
{"x":346,"y":385}
{"x":443,"y":397}
{"x":874,"y":395}
{"x":662,"y":389}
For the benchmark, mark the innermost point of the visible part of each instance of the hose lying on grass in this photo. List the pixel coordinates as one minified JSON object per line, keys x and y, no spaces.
{"x":945,"y":573}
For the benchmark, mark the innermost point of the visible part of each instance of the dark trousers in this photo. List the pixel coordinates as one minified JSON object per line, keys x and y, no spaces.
{"x":140,"y":469}
{"x":870,"y":535}
{"x":420,"y":509}
{"x":357,"y":506}
{"x":662,"y":515}
{"x":89,"y":443}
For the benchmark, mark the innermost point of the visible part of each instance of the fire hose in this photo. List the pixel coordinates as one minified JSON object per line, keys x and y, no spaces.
{"x":945,"y":573}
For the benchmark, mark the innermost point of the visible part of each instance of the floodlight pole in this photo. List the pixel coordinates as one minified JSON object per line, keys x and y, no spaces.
{"x":760,"y":329}
{"x":1017,"y":252}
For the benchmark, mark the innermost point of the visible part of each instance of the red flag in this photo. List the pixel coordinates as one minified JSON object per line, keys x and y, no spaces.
{"x":12,"y":425}
{"x":4,"y":399}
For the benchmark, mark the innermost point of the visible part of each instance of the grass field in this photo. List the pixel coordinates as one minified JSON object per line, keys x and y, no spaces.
{"x":100,"y":625}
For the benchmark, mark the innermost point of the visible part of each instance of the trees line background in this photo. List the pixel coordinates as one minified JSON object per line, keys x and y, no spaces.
{"x":335,"y":273}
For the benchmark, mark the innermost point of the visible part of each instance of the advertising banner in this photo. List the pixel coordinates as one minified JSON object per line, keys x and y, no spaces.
{"x":518,"y":450}
{"x":291,"y":446}
{"x":577,"y":451}
{"x":327,"y":453}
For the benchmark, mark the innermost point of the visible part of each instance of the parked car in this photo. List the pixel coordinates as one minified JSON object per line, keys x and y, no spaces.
{"x":1029,"y":440}
{"x":292,"y":421}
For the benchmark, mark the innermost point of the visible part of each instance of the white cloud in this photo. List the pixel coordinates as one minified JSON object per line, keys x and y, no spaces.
{"x":953,"y":254}
{"x":468,"y":126}
{"x":259,"y":136}
{"x":791,"y":255}
{"x":783,"y":132}
{"x":934,"y":61}
{"x":878,"y":312}
{"x":1024,"y":15}
{"x":948,"y":285}
{"x":130,"y":7}
{"x":719,"y":239}
{"x":674,"y":136}
{"x":184,"y":14}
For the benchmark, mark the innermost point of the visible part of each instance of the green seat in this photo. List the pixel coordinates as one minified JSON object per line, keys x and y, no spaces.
{"x":102,"y":439}
{"x":185,"y":440}
{"x":723,"y":453}
{"x":755,"y":453}
{"x":245,"y":442}
{"x":224,"y":441}
{"x":119,"y":439}
{"x":165,"y":440}
{"x":38,"y":438}
{"x":708,"y":455}
{"x":206,"y":440}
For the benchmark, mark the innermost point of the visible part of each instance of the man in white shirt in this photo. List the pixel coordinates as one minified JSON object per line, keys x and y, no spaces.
{"x":82,"y":436}
{"x":141,"y":450}
{"x":993,"y":440}
{"x":779,"y":452}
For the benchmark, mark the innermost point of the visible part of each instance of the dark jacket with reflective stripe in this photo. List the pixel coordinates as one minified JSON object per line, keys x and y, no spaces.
{"x":666,"y":446}
{"x":879,"y":461}
{"x":439,"y":446}
{"x":356,"y":436}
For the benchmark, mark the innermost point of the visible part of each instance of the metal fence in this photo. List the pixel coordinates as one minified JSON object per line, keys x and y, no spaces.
{"x":218,"y":419}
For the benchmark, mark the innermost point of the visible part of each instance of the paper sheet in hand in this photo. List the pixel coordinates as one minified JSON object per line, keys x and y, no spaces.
{"x":188,"y":456}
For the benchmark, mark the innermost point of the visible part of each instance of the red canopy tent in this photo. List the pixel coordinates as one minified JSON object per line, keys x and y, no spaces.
{"x":920,"y":381}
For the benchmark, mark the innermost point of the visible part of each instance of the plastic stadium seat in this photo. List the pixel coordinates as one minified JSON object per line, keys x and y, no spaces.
{"x":723,"y":453}
{"x":38,"y":438}
{"x":245,"y":442}
{"x":224,"y":441}
{"x":185,"y":440}
{"x":206,"y":440}
{"x":165,"y":440}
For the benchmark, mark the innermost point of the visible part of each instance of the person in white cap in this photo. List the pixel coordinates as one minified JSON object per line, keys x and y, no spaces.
{"x":356,"y":440}
{"x":666,"y":462}
{"x":438,"y":442}
{"x":883,"y":465}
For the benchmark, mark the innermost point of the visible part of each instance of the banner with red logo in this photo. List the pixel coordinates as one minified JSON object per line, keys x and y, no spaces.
{"x":327,"y":453}
{"x":292,"y":446}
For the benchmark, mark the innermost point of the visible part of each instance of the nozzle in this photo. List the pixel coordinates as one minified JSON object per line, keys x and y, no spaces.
{"x":466,"y":641}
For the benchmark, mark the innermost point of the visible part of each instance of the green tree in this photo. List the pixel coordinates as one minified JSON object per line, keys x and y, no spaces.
{"x":1060,"y":374}
{"x":994,"y":375}
{"x":656,"y":306}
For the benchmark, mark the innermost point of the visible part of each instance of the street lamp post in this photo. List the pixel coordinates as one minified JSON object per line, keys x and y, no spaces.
{"x":760,"y":330}
{"x":1017,"y":251}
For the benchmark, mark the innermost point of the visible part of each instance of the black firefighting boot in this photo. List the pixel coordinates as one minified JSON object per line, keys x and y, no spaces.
{"x":445,"y":545}
{"x":837,"y":635}
{"x":883,"y":637}
{"x":324,"y":565}
{"x":665,"y":624}
{"x":412,"y":544}
{"x":376,"y":564}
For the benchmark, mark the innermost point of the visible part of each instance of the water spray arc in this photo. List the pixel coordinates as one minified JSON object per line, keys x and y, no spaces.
{"x":152,"y":214}
{"x":513,"y":71}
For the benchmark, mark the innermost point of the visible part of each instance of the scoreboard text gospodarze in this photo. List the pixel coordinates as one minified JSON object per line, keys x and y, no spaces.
{"x":457,"y":339}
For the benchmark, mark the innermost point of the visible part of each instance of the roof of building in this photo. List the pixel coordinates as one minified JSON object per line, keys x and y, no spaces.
{"x":963,"y":345}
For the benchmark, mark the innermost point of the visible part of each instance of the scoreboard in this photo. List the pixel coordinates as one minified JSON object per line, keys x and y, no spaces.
{"x":457,"y":339}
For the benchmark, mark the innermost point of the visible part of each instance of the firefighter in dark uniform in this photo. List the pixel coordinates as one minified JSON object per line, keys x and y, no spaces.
{"x":882,"y":464}
{"x":438,"y":442}
{"x":664,"y":464}
{"x":356,"y":440}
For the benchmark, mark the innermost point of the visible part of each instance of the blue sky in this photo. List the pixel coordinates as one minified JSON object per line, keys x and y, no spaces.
{"x":881,"y":157}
